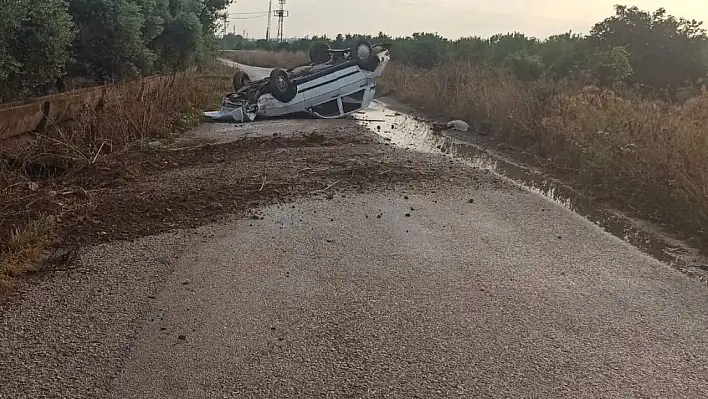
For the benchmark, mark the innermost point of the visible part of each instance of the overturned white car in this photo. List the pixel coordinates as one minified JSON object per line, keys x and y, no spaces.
{"x":335,"y":84}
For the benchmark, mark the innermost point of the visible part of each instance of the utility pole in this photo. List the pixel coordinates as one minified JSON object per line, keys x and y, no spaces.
{"x":270,"y":15}
{"x":281,"y":14}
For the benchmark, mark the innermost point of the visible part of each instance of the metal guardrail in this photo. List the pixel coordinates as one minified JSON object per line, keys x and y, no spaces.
{"x":26,"y":116}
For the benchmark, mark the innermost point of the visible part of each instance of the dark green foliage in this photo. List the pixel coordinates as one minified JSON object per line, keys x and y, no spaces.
{"x":665,"y":52}
{"x":109,"y":45}
{"x":563,"y":55}
{"x":612,"y":68}
{"x":524,"y":66}
{"x":35,"y":39}
{"x":42,"y":42}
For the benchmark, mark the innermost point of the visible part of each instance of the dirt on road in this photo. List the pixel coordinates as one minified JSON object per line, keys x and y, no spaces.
{"x":197,"y":179}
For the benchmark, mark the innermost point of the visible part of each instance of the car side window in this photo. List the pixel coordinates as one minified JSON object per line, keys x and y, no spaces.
{"x":328,"y":109}
{"x":352,"y":102}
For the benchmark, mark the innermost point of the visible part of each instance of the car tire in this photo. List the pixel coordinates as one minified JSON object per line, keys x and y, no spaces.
{"x":240,"y":79}
{"x":281,"y":87}
{"x":319,"y":53}
{"x":363,"y":53}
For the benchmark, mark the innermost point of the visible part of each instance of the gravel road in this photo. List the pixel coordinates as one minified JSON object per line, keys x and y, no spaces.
{"x":325,"y":263}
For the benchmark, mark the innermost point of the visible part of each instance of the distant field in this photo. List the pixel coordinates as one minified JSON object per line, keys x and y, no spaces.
{"x":268,"y":59}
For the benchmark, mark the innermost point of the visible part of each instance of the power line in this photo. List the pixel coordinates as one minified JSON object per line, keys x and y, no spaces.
{"x":258,"y":16}
{"x":246,"y":13}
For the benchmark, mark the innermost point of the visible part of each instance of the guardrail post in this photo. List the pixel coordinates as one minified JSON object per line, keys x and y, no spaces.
{"x":45,"y":116}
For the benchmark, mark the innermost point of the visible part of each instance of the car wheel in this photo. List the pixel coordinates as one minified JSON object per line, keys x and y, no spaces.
{"x":240,"y":79}
{"x":363,"y":53}
{"x":281,"y":87}
{"x":319,"y":53}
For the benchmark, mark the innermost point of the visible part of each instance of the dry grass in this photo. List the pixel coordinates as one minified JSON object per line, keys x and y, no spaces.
{"x":130,"y":116}
{"x":24,"y":248}
{"x":647,"y":155}
{"x":268,"y":59}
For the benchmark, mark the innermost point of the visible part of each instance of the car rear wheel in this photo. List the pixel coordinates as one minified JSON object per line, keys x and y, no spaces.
{"x":363,"y":53}
{"x":319,"y":53}
{"x":240,"y":79}
{"x":281,"y":87}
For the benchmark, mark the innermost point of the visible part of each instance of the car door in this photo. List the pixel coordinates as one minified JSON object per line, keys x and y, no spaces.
{"x":353,"y":80}
{"x":322,"y":88}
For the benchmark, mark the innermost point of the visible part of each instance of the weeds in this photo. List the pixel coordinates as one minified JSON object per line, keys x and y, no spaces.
{"x":645,"y":154}
{"x":32,"y":166}
{"x":24,"y":248}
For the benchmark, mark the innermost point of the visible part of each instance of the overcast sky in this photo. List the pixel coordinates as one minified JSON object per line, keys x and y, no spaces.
{"x":450,"y":18}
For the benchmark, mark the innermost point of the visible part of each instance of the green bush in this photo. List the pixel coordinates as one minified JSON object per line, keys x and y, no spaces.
{"x":613,"y":68}
{"x":44,"y":41}
{"x":35,"y":43}
{"x":525,"y":66}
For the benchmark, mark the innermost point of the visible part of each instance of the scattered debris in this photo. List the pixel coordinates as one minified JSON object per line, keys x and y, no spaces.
{"x":459,"y":125}
{"x":153,"y":145}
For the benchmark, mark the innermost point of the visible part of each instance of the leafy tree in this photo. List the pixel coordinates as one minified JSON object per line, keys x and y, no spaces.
{"x":427,"y":49}
{"x":665,"y":52}
{"x":35,"y":44}
{"x":501,"y":46}
{"x":181,"y":43}
{"x":525,"y":66}
{"x":470,"y":49}
{"x":110,"y":44}
{"x":563,"y":55}
{"x":232,"y":42}
{"x":613,"y":68}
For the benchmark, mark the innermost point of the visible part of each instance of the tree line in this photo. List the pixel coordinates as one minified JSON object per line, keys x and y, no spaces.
{"x":648,"y":50}
{"x":45,"y":43}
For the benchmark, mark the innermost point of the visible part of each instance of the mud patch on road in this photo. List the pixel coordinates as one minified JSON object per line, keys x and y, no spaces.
{"x":147,"y":192}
